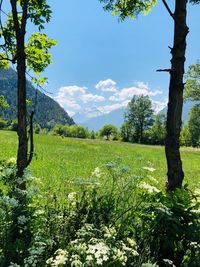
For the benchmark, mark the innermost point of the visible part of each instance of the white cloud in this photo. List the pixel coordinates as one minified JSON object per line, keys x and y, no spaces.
{"x":108,"y":108}
{"x":91,"y":98}
{"x":159,"y":105}
{"x":71,"y":97}
{"x":106,"y":86}
{"x":127,"y":93}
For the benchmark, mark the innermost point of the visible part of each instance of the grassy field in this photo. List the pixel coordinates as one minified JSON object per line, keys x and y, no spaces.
{"x":60,"y":160}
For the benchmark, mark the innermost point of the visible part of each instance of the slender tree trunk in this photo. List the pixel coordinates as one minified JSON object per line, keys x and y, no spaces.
{"x":22,"y":131}
{"x":175,"y":172}
{"x":20,"y":32}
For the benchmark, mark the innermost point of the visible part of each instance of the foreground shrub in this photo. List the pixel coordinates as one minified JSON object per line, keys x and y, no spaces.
{"x":113,"y":219}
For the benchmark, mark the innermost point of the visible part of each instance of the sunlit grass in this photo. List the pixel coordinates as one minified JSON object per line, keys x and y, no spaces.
{"x":60,"y":160}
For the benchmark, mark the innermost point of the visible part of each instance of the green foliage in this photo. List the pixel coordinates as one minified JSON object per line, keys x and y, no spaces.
{"x":13,"y":126}
{"x":76,"y":131}
{"x":108,"y":130}
{"x":37,"y":48}
{"x":156,"y":134}
{"x":3,"y":103}
{"x":3,"y":123}
{"x":127,"y":132}
{"x":185,"y":138}
{"x":15,"y":214}
{"x":194,"y":126}
{"x":192,"y":86}
{"x":113,"y":219}
{"x":128,"y":8}
{"x":171,"y":226}
{"x":139,"y":116}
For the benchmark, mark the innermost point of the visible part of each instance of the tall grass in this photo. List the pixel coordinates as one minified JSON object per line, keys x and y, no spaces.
{"x":59,"y":161}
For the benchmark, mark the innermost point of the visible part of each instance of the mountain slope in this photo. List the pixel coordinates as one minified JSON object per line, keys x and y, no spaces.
{"x":48,"y":112}
{"x":115,"y":117}
{"x":186,"y":110}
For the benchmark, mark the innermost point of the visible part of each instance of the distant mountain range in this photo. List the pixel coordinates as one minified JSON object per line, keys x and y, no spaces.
{"x":116,"y":117}
{"x":48,"y":111}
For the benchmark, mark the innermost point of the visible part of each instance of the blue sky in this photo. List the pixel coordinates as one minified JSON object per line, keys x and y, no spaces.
{"x":102,"y":63}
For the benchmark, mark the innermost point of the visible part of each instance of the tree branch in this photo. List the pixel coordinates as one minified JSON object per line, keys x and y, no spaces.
{"x":169,"y":10}
{"x":24,"y":16}
{"x":31,"y":139}
{"x":15,"y":17}
{"x":8,"y":59}
{"x":166,"y":70}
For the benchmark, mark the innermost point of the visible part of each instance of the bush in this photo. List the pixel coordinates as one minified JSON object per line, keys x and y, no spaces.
{"x":3,"y":123}
{"x":13,"y":126}
{"x":71,"y":131}
{"x":113,"y":219}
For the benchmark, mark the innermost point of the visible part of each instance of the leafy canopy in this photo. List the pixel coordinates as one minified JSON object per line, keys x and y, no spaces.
{"x":128,"y":8}
{"x":139,"y":115}
{"x":37,"y":45}
{"x":192,"y":87}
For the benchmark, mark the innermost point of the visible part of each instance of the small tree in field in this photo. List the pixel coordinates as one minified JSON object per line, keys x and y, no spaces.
{"x":108,"y":130}
{"x":194,"y":126}
{"x":139,"y":115}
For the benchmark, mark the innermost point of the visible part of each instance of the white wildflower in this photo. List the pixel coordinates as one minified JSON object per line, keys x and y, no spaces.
{"x":97,"y":172}
{"x":131,"y":242}
{"x":22,"y":219}
{"x":72,"y":196}
{"x":89,"y":258}
{"x":12,"y":160}
{"x":149,"y":169}
{"x":149,"y":188}
{"x":60,"y":259}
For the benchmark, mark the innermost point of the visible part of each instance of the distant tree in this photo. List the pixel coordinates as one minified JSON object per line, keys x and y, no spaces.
{"x":139,"y":115}
{"x":92,"y":135}
{"x":108,"y":130}
{"x":3,"y":123}
{"x":79,"y":131}
{"x":13,"y":126}
{"x":192,"y":86}
{"x":185,"y":138}
{"x":131,"y":8}
{"x":158,"y":130}
{"x":127,"y":132}
{"x":59,"y":129}
{"x":3,"y":104}
{"x":76,"y":131}
{"x":194,"y":126}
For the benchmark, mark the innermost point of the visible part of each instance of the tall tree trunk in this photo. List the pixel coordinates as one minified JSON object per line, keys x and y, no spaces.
{"x":172,"y":145}
{"x":20,"y":32}
{"x":22,"y":131}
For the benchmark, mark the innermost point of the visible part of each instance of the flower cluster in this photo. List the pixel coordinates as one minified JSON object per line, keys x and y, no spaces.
{"x":95,"y":247}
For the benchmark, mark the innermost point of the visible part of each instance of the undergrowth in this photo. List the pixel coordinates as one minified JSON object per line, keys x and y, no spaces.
{"x":122,"y":221}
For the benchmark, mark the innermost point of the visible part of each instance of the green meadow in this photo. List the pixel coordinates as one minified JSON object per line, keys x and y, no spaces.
{"x":59,"y":161}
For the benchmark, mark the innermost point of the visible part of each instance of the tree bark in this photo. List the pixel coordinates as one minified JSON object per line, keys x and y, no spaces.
{"x":20,"y":31}
{"x":22,"y":129}
{"x":172,"y":145}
